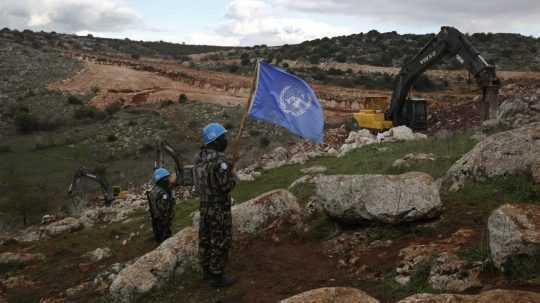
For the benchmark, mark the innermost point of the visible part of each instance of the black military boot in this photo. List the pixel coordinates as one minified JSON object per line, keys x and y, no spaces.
{"x":221,"y":280}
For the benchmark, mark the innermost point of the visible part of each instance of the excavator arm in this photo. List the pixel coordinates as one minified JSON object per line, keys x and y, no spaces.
{"x":448,"y":43}
{"x":83,"y":172}
{"x":184,"y":174}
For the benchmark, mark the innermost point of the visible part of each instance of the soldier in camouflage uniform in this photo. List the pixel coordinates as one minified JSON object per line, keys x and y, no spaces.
{"x":161,"y":200}
{"x":214,"y":181}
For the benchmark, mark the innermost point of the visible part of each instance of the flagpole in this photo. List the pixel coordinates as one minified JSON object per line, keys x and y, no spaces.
{"x":236,"y":142}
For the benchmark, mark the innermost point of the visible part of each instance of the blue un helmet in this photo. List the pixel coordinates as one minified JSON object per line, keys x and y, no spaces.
{"x":160,"y":173}
{"x":212,"y":131}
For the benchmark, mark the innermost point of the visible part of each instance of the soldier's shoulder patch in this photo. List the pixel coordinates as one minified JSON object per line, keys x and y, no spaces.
{"x":223,"y":166}
{"x":165,"y":196}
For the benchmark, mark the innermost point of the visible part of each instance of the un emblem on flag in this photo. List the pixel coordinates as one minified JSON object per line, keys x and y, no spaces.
{"x":294,"y":101}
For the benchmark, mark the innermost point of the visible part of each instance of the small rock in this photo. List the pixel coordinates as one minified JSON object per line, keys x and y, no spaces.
{"x":9,"y":258}
{"x":99,"y":254}
{"x":313,"y":170}
{"x":47,"y":219}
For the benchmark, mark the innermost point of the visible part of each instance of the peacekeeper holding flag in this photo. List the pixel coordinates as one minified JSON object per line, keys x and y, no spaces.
{"x":214,"y":180}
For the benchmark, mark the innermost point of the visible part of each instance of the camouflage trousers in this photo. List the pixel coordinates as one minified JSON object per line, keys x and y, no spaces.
{"x":215,"y":239}
{"x":161,"y":228}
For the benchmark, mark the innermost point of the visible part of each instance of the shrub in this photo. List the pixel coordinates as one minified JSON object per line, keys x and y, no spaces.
{"x":264,"y":142}
{"x":74,"y":100}
{"x":234,"y":68}
{"x":95,"y":90}
{"x":88,"y":112}
{"x":254,"y":133}
{"x":25,"y":122}
{"x":135,"y":56}
{"x":245,"y":61}
{"x":183,"y":99}
{"x":165,"y":103}
{"x":111,"y":138}
{"x":113,"y":108}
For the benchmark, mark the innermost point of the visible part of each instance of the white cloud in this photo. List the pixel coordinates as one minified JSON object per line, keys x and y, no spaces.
{"x":250,"y":22}
{"x":68,"y":15}
{"x":470,"y":16}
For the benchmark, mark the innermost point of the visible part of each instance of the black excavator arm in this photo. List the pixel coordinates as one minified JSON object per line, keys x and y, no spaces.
{"x":84,"y":172}
{"x":184,"y":174}
{"x":448,"y":43}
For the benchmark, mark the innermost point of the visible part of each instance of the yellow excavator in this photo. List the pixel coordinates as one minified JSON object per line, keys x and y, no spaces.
{"x":412,"y":112}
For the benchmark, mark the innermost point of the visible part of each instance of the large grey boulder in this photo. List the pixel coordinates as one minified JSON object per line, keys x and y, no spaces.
{"x":332,"y":295}
{"x":492,"y":296}
{"x":520,"y":110}
{"x":384,"y":198}
{"x":506,"y":153}
{"x":156,"y":268}
{"x":514,"y":230}
{"x":253,"y":216}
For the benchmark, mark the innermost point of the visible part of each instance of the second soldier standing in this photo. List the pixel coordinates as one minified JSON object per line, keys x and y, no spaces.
{"x":214,"y":180}
{"x":161,"y":205}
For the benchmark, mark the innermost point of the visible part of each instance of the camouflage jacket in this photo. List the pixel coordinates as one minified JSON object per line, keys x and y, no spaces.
{"x":161,"y":203}
{"x":213,"y":177}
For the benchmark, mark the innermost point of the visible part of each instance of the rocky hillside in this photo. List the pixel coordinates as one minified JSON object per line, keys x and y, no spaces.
{"x":357,"y":221}
{"x":506,"y":51}
{"x":89,"y":43}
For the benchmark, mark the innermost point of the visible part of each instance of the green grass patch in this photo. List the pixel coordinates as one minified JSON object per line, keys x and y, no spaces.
{"x":183,"y":213}
{"x":472,"y":205}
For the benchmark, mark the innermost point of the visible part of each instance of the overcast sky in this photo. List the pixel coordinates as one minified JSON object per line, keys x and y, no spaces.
{"x":272,"y":22}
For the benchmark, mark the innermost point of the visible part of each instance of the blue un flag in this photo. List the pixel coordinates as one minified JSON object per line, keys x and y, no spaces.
{"x":286,"y":100}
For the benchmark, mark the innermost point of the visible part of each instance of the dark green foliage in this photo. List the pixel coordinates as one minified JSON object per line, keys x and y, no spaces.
{"x":165,"y":103}
{"x":74,"y":100}
{"x":88,"y":112}
{"x":245,"y":59}
{"x":183,"y":99}
{"x":113,"y":108}
{"x":264,"y":142}
{"x":234,"y":68}
{"x":27,"y":123}
{"x":112,"y":138}
{"x":522,"y":267}
{"x":254,"y":132}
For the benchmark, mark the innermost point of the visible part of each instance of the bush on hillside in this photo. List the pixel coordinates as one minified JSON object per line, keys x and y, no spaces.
{"x":113,"y":108}
{"x":88,"y":112}
{"x":183,"y":99}
{"x":27,"y":123}
{"x":74,"y":100}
